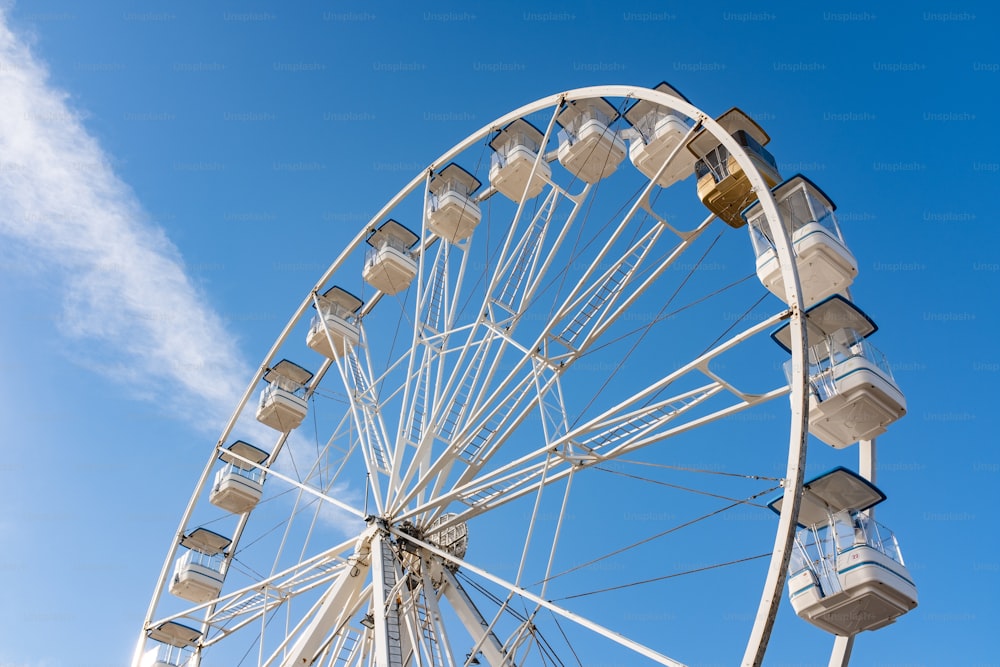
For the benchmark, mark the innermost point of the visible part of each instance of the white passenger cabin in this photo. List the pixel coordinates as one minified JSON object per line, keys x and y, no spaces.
{"x":824,"y":263}
{"x":198,"y":571}
{"x":516,"y":150}
{"x":282,"y":404}
{"x":588,"y":147}
{"x":846,"y":573}
{"x":852,"y":393}
{"x":239,"y":484}
{"x":335,"y":326}
{"x":452,"y":212}
{"x":657,"y":133}
{"x":176,"y":646}
{"x":390,"y":264}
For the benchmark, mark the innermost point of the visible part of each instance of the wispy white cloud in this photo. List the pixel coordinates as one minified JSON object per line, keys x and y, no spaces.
{"x":121,"y":288}
{"x":118,"y":283}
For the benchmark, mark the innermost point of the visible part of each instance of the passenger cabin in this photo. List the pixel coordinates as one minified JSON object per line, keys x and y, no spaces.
{"x":282,"y":404}
{"x":239,"y":484}
{"x":335,"y":325}
{"x":452,"y":212}
{"x":852,"y":393}
{"x":824,"y":263}
{"x":588,"y":147}
{"x":657,"y":133}
{"x":176,"y":645}
{"x":391,"y":263}
{"x":516,"y":149}
{"x":723,"y":186}
{"x":198,"y":573}
{"x":846,"y":573}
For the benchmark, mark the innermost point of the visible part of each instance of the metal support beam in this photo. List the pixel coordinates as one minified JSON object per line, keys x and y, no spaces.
{"x":335,"y":601}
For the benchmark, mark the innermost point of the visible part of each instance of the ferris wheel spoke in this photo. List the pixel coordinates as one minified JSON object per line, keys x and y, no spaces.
{"x":526,"y":331}
{"x":531,"y":597}
{"x":477,"y":419}
{"x":472,"y":619}
{"x":366,"y":415}
{"x":250,"y":604}
{"x":642,"y":419}
{"x":437,"y":307}
{"x":337,"y":604}
{"x":606,"y":441}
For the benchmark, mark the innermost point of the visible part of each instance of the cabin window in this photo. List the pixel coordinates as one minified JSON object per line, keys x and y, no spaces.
{"x":832,"y":351}
{"x":715,"y":162}
{"x":752,"y":144}
{"x":760,"y":235}
{"x":646,"y":126}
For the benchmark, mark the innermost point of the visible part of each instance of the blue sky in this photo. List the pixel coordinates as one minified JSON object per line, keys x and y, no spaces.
{"x":174,"y":177}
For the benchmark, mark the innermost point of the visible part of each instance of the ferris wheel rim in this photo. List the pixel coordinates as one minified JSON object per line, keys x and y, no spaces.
{"x":799,"y":415}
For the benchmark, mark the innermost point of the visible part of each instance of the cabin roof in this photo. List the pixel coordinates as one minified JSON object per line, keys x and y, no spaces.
{"x":206,"y":541}
{"x":576,"y":107}
{"x":642,"y":107}
{"x":393,"y":230}
{"x":246,"y":450}
{"x":829,"y":315}
{"x":732,"y":121}
{"x":835,"y":491}
{"x":339,"y":296}
{"x":517,"y":125}
{"x":174,"y":634}
{"x":287,"y":369}
{"x":785,"y":188}
{"x":454,"y":172}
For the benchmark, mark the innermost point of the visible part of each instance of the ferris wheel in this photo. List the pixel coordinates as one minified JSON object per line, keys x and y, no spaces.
{"x":538,"y":411}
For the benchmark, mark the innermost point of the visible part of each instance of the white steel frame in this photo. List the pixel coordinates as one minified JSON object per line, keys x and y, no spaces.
{"x":437,"y":457}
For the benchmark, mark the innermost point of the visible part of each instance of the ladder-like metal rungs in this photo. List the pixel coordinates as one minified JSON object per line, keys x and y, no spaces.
{"x":392,"y":606}
{"x":346,"y":648}
{"x":484,"y":495}
{"x":361,"y":387}
{"x":258,"y":599}
{"x":642,"y":422}
{"x":461,"y":398}
{"x":427,"y":630}
{"x":512,"y":286}
{"x":596,"y":302}
{"x":432,"y":312}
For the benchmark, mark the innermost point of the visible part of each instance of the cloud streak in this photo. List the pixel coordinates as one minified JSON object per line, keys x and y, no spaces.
{"x":122,"y":289}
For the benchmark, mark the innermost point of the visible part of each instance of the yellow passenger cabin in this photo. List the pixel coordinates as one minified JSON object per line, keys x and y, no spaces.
{"x":723,"y":186}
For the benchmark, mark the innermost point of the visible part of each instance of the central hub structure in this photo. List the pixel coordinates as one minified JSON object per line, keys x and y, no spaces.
{"x":444,"y":533}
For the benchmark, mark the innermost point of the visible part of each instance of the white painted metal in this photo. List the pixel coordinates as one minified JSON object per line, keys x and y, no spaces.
{"x":842,"y":647}
{"x":473,"y":620}
{"x":477,"y":411}
{"x":334,"y":604}
{"x":576,"y":618}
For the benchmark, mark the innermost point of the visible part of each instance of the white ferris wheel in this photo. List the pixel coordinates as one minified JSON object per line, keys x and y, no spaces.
{"x":539,"y":410}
